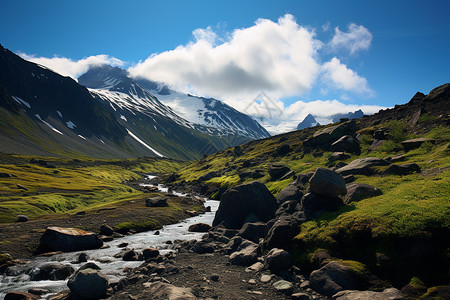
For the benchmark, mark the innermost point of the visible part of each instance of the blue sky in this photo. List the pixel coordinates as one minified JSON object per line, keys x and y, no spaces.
{"x":387,"y":50}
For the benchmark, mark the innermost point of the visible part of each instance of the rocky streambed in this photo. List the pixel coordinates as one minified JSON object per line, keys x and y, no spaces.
{"x":34,"y":273}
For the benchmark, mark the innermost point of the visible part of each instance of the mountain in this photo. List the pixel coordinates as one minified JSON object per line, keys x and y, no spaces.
{"x":308,"y":121}
{"x":350,"y":115}
{"x":208,"y":112}
{"x":44,"y":113}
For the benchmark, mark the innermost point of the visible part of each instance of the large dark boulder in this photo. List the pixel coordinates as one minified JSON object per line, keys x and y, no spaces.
{"x":243,"y":203}
{"x":402,"y":169}
{"x":51,"y":271}
{"x":246,"y":255}
{"x":88,"y":284}
{"x":362,"y":166}
{"x":387,"y":294}
{"x":327,"y":183}
{"x":199,"y":227}
{"x":278,"y":260}
{"x":157,"y":201}
{"x":359,"y":191}
{"x":253,"y":231}
{"x":291,"y":192}
{"x":283,"y":231}
{"x":313,"y":205}
{"x":68,"y":239}
{"x":325,"y":137}
{"x":334,"y":277}
{"x":20,"y":296}
{"x":278,"y":170}
{"x":347,"y":143}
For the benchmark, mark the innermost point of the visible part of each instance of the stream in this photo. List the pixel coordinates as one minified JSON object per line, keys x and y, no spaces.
{"x":111,"y":266}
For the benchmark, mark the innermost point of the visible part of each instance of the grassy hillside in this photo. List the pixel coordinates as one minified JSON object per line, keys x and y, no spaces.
{"x":52,"y":185}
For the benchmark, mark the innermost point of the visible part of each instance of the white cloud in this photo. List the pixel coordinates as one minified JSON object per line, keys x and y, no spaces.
{"x":72,"y":68}
{"x":357,"y":38}
{"x":338,"y":75}
{"x":322,"y":110}
{"x":276,"y":57}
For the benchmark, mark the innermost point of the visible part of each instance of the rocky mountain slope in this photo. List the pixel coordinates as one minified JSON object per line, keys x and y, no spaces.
{"x":369,"y":196}
{"x":308,"y":121}
{"x":47,"y":114}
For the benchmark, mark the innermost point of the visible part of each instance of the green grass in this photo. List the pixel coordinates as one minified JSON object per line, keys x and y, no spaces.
{"x":138,"y":226}
{"x":74,"y":186}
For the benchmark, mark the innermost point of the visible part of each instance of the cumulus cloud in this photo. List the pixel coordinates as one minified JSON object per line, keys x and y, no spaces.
{"x":276,"y":57}
{"x":357,"y":38}
{"x":338,"y":75}
{"x":72,"y":68}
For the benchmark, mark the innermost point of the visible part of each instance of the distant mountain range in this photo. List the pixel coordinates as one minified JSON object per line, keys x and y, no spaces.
{"x":310,"y":120}
{"x":44,"y":113}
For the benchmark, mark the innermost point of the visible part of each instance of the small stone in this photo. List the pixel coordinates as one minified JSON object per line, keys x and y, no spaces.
{"x":252,"y":281}
{"x":83,"y":257}
{"x":266,"y":278}
{"x":283,"y":286}
{"x":122,"y":245}
{"x":214,"y":277}
{"x":256,"y":267}
{"x":300,"y":296}
{"x":22,"y":218}
{"x":304,"y":284}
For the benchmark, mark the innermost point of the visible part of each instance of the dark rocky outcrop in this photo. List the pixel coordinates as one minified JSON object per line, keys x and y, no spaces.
{"x":245,"y":203}
{"x":402,"y":169}
{"x":20,"y":296}
{"x":325,"y":137}
{"x":347,"y":143}
{"x":246,"y":255}
{"x":278,"y":170}
{"x":362,"y":166}
{"x":88,"y":284}
{"x":313,"y":205}
{"x":359,"y":191}
{"x":157,"y":201}
{"x":291,"y":192}
{"x":68,"y":239}
{"x":278,"y":260}
{"x":199,"y":227}
{"x":283,"y":231}
{"x":327,"y":183}
{"x":253,"y":231}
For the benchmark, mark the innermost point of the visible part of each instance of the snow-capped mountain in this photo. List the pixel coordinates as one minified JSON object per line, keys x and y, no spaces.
{"x":44,"y":113}
{"x":207,"y":115}
{"x":308,"y":121}
{"x":205,"y":111}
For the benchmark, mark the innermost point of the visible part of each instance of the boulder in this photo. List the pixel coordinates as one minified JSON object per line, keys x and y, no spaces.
{"x":150,"y":253}
{"x":283,"y":150}
{"x":278,"y":170}
{"x":361,"y":166}
{"x":20,"y":296}
{"x":347,"y":143}
{"x":233,"y":245}
{"x":199,"y":227}
{"x":202,"y":247}
{"x":333,"y":278}
{"x":278,"y":260}
{"x":240,"y":202}
{"x":300,"y":296}
{"x":6,"y":175}
{"x":106,"y":230}
{"x":415,"y":143}
{"x":51,"y":271}
{"x":288,"y":207}
{"x":335,"y":156}
{"x":88,"y":284}
{"x":282,"y":232}
{"x":246,"y":256}
{"x":327,"y":183}
{"x":22,"y":218}
{"x":402,"y":169}
{"x":387,"y":294}
{"x":68,"y":239}
{"x":89,"y":265}
{"x":82,"y":257}
{"x":359,"y":191}
{"x":291,"y":192}
{"x":325,"y":137}
{"x":251,"y":174}
{"x":130,"y":255}
{"x":313,"y":205}
{"x":157,"y":201}
{"x":253,"y":231}
{"x":301,"y":180}
{"x":162,"y":290}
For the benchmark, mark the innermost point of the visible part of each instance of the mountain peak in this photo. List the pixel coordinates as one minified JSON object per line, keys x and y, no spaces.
{"x":308,"y":121}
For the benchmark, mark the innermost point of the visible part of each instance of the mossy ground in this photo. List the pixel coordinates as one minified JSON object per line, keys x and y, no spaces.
{"x":69,"y":185}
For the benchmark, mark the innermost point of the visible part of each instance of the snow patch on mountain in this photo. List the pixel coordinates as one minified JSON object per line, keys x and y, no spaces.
{"x":48,"y":124}
{"x":19,"y":100}
{"x":70,"y":124}
{"x":143,"y":143}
